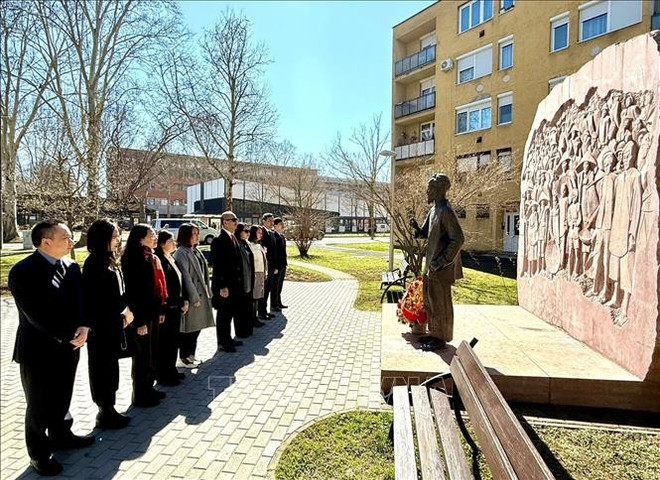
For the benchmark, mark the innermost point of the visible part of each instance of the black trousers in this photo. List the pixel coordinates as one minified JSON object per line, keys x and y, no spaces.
{"x":276,"y":297}
{"x":103,"y":370}
{"x":144,"y":363}
{"x":269,"y":289}
{"x":243,"y":319}
{"x":48,"y":386}
{"x":226,"y":312}
{"x":187,"y":343}
{"x":168,"y":333}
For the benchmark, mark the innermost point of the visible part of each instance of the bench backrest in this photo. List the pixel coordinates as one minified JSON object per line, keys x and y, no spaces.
{"x":403,"y":266}
{"x":508,"y":450}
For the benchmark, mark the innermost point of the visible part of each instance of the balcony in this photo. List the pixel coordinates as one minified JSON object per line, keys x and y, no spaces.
{"x":415,"y":149}
{"x":415,"y":61}
{"x":415,"y":105}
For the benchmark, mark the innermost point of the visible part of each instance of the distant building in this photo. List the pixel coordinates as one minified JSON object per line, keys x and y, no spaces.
{"x":468,"y":76}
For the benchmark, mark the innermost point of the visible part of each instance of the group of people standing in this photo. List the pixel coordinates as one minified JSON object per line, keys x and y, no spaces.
{"x":149,"y":301}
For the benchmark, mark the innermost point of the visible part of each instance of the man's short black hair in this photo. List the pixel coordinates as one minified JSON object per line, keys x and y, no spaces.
{"x":44,"y":229}
{"x":266,"y":216}
{"x":278,"y":220}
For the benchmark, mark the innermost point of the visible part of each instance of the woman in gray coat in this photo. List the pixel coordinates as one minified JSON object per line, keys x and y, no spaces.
{"x":194,"y":271}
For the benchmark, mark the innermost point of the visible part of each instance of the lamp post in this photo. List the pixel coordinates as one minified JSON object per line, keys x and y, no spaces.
{"x":392,"y":155}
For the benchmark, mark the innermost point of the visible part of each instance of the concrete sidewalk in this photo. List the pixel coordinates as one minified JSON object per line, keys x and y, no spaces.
{"x":230,"y":416}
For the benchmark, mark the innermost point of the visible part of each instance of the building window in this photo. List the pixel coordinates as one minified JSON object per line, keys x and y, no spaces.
{"x":472,"y":162}
{"x":426,"y":131}
{"x":504,"y":108}
{"x":506,"y":5}
{"x":427,"y":86}
{"x":163,"y":201}
{"x":553,"y":82}
{"x":601,"y":17}
{"x":473,"y":13}
{"x":505,"y":159}
{"x":506,"y":53}
{"x":475,"y":64}
{"x":460,"y":212}
{"x":483,"y":211}
{"x":559,"y":32}
{"x":472,"y":117}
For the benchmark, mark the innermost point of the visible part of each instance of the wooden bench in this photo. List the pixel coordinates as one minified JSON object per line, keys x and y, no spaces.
{"x":506,"y":447}
{"x":395,"y":278}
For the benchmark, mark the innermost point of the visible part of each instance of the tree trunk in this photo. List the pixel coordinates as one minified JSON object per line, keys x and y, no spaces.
{"x":9,"y":225}
{"x":372,"y":221}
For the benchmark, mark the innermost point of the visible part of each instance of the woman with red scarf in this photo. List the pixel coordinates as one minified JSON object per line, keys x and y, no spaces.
{"x":146,"y":296}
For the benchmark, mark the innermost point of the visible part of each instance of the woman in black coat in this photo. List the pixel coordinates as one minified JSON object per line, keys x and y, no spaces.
{"x":105,"y":307}
{"x":146,"y":296}
{"x":177,"y":305}
{"x":243,"y":322}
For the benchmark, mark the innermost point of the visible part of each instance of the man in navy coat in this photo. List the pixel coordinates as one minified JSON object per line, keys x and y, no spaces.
{"x":47,"y":290}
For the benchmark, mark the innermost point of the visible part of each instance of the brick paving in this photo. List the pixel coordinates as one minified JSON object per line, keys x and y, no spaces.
{"x":232,"y":414}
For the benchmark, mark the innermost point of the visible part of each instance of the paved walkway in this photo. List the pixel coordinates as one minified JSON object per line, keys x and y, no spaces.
{"x":230,"y":416}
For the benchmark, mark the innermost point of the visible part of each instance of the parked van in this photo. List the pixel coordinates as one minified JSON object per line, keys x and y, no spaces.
{"x":206,"y":233}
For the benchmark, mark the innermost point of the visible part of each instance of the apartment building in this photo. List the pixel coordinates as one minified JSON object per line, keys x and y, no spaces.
{"x":467,"y":78}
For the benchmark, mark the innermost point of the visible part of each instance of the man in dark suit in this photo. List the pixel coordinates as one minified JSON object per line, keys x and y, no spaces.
{"x":276,"y":298}
{"x":227,"y":281}
{"x":47,"y":290}
{"x":270,"y":244}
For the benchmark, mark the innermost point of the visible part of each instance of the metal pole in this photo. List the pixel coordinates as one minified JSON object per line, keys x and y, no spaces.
{"x":392,"y":167}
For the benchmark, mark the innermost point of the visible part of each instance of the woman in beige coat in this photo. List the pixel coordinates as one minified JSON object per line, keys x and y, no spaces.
{"x":195,"y":274}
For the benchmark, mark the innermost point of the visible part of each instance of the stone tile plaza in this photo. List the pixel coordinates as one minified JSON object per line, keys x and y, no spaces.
{"x":233,"y":413}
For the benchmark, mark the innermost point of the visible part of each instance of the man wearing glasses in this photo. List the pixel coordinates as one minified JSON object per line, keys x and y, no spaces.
{"x":227,"y":281}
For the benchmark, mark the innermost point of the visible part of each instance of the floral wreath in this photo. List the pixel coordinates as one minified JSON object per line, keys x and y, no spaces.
{"x":411,"y":307}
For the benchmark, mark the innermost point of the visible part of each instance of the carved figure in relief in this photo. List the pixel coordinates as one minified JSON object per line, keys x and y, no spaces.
{"x":543,"y":228}
{"x":574,"y":218}
{"x":563,"y":224}
{"x":625,"y":224}
{"x":533,"y":232}
{"x":589,"y":210}
{"x":605,"y":187}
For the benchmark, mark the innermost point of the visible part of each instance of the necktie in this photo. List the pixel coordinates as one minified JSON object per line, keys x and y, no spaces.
{"x":58,"y":277}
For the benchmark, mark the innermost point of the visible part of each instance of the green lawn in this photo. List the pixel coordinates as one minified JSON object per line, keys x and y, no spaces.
{"x":294,"y":273}
{"x":355,"y":445}
{"x":374,"y":246}
{"x":8,"y":261}
{"x":475,"y":289}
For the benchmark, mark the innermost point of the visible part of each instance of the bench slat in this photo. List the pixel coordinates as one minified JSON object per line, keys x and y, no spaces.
{"x":522,"y":453}
{"x":429,"y":452}
{"x":495,"y":455}
{"x":405,"y":466}
{"x":457,"y":466}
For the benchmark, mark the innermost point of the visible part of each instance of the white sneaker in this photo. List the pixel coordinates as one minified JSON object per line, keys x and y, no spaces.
{"x":186,"y":363}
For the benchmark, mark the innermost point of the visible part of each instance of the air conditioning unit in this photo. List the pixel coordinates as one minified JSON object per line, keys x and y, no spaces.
{"x":446,"y":64}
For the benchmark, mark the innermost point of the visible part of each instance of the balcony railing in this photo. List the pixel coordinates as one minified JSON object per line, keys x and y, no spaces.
{"x":415,"y":61}
{"x":415,"y":149}
{"x":415,"y":105}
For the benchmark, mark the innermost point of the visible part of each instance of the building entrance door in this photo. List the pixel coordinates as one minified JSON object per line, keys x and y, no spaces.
{"x":511,"y":232}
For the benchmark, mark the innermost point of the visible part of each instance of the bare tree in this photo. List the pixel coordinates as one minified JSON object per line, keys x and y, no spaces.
{"x":361,"y":162}
{"x":24,"y":74}
{"x":107,"y":43}
{"x":223,"y":97}
{"x":303,"y":192}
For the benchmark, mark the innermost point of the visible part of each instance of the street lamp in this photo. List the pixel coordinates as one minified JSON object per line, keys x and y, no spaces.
{"x":392,"y":155}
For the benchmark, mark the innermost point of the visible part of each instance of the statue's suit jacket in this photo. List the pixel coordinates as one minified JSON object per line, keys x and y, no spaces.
{"x":445,"y":239}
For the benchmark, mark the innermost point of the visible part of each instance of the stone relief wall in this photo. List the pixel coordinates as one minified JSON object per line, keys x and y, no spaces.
{"x":589,"y":246}
{"x":586,"y":195}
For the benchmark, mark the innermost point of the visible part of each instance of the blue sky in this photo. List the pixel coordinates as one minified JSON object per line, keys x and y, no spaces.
{"x":332,"y":60}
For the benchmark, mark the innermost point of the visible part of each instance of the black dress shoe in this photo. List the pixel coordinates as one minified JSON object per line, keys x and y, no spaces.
{"x":146,"y":402}
{"x":282,"y":306}
{"x":257,"y":324}
{"x":181,"y":375}
{"x":276,"y":309}
{"x":48,"y":467}
{"x":236,"y":343}
{"x":111,"y":419}
{"x":169,"y":382}
{"x":71,"y":442}
{"x":158,"y":395}
{"x":227,"y":348}
{"x":270,"y":315}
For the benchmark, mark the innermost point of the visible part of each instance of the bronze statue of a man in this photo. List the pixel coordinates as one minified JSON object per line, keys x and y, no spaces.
{"x":443,"y":261}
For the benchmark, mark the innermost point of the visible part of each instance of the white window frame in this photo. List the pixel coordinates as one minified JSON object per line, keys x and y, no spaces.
{"x":505,"y":42}
{"x":468,"y":5}
{"x":472,"y":162}
{"x":608,"y":29}
{"x":421,"y":86}
{"x":556,"y":22}
{"x":501,"y":99}
{"x":421,"y":131}
{"x":473,"y":54}
{"x":503,"y":10}
{"x":425,"y":39}
{"x":473,"y":107}
{"x":553,"y":82}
